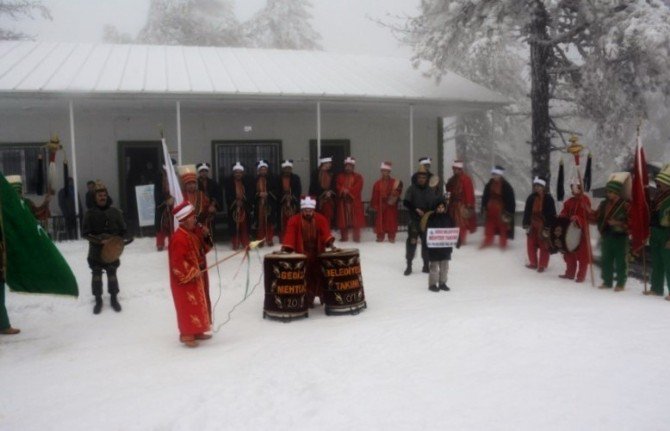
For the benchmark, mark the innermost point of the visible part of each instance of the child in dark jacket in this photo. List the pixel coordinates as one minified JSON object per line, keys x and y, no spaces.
{"x":439,"y":257}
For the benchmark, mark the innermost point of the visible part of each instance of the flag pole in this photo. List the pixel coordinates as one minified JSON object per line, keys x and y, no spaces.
{"x":644,"y":252}
{"x":575,"y":149}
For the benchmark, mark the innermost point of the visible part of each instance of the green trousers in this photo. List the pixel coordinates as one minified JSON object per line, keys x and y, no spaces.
{"x":614,"y":249}
{"x":4,"y":318}
{"x":660,"y":259}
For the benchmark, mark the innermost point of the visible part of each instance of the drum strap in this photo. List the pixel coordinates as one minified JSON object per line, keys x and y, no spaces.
{"x":613,"y":211}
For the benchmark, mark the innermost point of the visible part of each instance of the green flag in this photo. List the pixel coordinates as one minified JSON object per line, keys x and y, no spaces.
{"x":34,"y":264}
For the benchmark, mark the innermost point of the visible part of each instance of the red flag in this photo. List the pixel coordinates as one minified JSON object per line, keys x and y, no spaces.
{"x":639,"y":208}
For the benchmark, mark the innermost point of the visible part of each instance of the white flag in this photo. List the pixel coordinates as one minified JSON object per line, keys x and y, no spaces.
{"x":173,"y":181}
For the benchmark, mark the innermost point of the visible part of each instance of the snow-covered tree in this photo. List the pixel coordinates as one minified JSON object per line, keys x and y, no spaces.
{"x":191,"y":22}
{"x":111,"y":34}
{"x":601,"y":58}
{"x":17,"y":9}
{"x":283,"y":24}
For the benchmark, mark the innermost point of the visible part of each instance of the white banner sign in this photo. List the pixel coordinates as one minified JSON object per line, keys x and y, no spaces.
{"x":146,"y":207}
{"x":442,"y":237}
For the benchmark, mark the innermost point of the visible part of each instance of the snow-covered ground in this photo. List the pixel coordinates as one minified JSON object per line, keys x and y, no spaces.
{"x":507,"y":348}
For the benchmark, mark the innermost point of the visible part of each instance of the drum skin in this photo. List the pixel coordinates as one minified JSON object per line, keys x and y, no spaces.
{"x":344,"y":292}
{"x":112,"y":250}
{"x":565,"y":235}
{"x":285,"y":286}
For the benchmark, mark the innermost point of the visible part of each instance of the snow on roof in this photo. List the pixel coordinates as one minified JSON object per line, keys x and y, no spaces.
{"x":66,"y":68}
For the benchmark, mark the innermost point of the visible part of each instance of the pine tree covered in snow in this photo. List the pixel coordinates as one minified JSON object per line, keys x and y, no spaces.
{"x":283,"y":24}
{"x":191,"y":22}
{"x":601,"y":59}
{"x":111,"y":34}
{"x":18,"y":9}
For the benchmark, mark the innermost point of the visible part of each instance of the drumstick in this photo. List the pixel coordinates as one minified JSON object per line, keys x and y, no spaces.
{"x":252,"y":245}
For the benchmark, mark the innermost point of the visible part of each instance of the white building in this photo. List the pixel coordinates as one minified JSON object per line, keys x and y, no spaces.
{"x":108,"y":103}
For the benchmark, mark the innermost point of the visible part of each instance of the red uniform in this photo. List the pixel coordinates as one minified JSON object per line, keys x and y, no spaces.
{"x":462,"y":204}
{"x":187,"y":283}
{"x":200,"y":202}
{"x":350,"y":214}
{"x":577,"y":208}
{"x":309,"y":237}
{"x":385,"y":195}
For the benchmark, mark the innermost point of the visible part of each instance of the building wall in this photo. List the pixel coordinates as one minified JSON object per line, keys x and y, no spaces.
{"x":374,"y":136}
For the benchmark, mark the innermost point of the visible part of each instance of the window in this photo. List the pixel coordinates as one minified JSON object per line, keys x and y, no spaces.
{"x":22,"y":159}
{"x":226,"y":153}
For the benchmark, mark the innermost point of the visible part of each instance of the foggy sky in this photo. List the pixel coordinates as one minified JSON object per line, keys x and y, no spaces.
{"x":343,"y":24}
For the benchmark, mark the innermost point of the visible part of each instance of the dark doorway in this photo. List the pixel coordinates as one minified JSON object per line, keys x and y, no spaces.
{"x":338,"y":149}
{"x":139,"y":164}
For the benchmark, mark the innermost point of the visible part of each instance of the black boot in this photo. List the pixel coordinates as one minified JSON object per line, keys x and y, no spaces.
{"x":115,"y":303}
{"x":97,"y":308}
{"x":408,"y":270}
{"x":443,"y":286}
{"x":433,"y":288}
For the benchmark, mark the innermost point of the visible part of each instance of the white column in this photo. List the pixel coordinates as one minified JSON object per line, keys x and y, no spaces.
{"x":73,"y":165}
{"x":411,"y":140}
{"x":178,"y":133}
{"x":318,"y":132}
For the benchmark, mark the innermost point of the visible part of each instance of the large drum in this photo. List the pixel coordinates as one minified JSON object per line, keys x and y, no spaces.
{"x":565,"y":235}
{"x":343,"y":288}
{"x":285,"y":286}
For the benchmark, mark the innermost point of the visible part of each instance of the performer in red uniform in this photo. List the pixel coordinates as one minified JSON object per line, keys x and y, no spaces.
{"x":204,"y":212}
{"x":349,"y":186}
{"x":539,"y":213}
{"x":265,"y":203}
{"x":238,"y":199}
{"x":308,"y":233}
{"x":290,"y":190}
{"x":462,"y":201}
{"x":187,"y":281}
{"x":578,"y":209}
{"x":163,"y":219}
{"x":204,"y":209}
{"x":498,"y":207}
{"x":322,"y":185}
{"x":385,"y":194}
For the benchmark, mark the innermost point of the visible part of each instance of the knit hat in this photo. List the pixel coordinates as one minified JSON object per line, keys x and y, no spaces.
{"x":288,"y":163}
{"x":183,"y":211}
{"x":262,"y":164}
{"x":457,"y":164}
{"x":386,"y":166}
{"x":307,"y":202}
{"x":425,"y":161}
{"x":204,"y":166}
{"x":350,"y":161}
{"x":238,"y":167}
{"x":327,"y":159}
{"x":540,"y":181}
{"x":614,"y":187}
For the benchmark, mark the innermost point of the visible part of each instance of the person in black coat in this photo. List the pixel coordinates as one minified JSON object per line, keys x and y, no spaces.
{"x":239,"y":199}
{"x":210,"y":187}
{"x":419,"y":199}
{"x":289,"y":188}
{"x":438,"y":257}
{"x":498,"y":208}
{"x":538,"y":216}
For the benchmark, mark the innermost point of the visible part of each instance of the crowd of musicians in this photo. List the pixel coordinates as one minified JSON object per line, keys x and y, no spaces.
{"x":263,"y":206}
